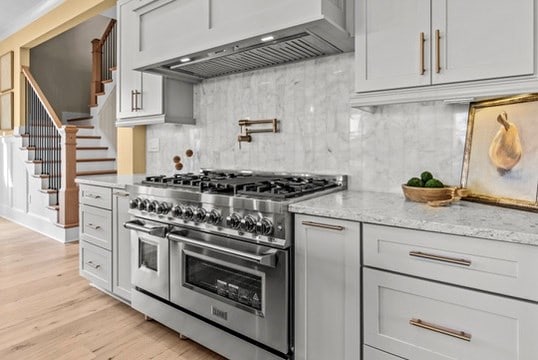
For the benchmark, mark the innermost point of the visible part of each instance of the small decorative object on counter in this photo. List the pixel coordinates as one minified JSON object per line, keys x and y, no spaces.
{"x":428,"y":189}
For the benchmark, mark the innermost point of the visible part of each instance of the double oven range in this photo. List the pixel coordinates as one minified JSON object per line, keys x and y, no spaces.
{"x":218,"y":246}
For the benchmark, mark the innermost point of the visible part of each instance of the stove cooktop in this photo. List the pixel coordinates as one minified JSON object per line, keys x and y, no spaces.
{"x":271,"y":186}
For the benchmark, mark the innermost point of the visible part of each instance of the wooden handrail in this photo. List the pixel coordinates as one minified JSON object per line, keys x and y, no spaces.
{"x":108,"y":30}
{"x":46,"y":104}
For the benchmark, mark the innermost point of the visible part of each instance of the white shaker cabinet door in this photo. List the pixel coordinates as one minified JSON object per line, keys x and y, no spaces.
{"x":121,"y":246}
{"x":481,"y":39}
{"x":327,"y":287}
{"x":392,"y":44}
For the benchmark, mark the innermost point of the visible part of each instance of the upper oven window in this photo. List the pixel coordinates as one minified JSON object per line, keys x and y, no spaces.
{"x":148,"y":256}
{"x":233,"y":284}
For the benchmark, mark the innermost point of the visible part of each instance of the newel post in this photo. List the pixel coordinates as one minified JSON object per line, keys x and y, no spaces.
{"x":68,"y":195}
{"x":96,"y":85}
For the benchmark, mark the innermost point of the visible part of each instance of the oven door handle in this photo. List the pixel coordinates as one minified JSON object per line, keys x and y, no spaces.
{"x":267,"y":259}
{"x":138,"y":225}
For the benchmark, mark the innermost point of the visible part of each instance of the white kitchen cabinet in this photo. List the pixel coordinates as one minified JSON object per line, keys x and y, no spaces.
{"x":145,"y":98}
{"x":423,"y":320}
{"x":476,"y":48}
{"x":121,"y":245}
{"x":327,"y":289}
{"x":105,"y":246}
{"x":172,"y":28}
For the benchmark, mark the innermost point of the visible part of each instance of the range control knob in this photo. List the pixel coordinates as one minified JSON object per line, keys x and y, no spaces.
{"x":248,"y":224}
{"x":213,"y":217}
{"x":199,"y":215}
{"x":233,"y":221}
{"x":264,"y":227}
{"x":143,"y":205}
{"x":162,"y":208}
{"x":188,"y":213}
{"x":152,"y":206}
{"x":177,"y":211}
{"x":133,"y":203}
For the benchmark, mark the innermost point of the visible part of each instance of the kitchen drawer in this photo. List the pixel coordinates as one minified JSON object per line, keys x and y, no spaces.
{"x":96,"y":265}
{"x":96,"y":226}
{"x":96,"y":196}
{"x":470,"y":324}
{"x":370,"y":353}
{"x":496,"y":266}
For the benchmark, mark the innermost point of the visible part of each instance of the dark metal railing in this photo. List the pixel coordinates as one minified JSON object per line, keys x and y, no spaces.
{"x":44,"y":137}
{"x":108,"y":51}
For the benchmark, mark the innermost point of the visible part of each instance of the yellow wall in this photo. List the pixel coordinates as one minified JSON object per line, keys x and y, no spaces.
{"x":131,"y":142}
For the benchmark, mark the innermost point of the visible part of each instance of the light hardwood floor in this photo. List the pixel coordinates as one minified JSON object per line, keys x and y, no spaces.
{"x":47,"y":311}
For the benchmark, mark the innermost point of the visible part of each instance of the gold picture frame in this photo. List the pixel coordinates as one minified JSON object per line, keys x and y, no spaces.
{"x":6,"y":111}
{"x":6,"y":71}
{"x":501,"y":152}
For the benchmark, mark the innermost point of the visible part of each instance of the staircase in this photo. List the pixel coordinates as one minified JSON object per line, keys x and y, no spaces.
{"x":56,"y":152}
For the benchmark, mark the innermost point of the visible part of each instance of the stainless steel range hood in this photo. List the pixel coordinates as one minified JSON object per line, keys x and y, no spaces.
{"x":289,"y":45}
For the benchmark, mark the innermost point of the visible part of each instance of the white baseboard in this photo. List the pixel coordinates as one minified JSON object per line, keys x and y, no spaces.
{"x":39,"y":224}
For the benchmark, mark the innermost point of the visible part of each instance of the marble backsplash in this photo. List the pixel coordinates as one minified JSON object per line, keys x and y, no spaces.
{"x":319,"y":132}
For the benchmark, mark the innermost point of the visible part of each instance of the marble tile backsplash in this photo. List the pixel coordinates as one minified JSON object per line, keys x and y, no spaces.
{"x":319,"y":132}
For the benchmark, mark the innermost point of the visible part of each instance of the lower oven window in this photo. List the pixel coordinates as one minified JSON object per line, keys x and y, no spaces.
{"x":227,"y":282}
{"x":148,"y":255}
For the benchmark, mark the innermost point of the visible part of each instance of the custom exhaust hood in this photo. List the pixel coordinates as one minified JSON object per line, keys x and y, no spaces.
{"x":285,"y":46}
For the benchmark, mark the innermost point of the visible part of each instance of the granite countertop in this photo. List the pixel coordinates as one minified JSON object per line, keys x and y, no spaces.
{"x":460,"y":218}
{"x":113,"y":181}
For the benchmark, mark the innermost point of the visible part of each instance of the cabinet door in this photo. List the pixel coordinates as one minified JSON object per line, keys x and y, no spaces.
{"x":327,"y":285}
{"x":139,"y":94}
{"x":121,"y":246}
{"x":482,"y":39}
{"x":389,"y":50}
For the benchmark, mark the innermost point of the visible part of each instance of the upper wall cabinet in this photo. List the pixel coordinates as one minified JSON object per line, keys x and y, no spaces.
{"x":173,"y":28}
{"x":416,"y":50}
{"x":145,"y":98}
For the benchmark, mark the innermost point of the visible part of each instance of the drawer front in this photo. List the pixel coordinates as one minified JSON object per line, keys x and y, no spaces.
{"x":370,"y":353}
{"x":96,"y":226}
{"x":495,"y":266}
{"x":96,"y":265}
{"x":96,"y":196}
{"x":422,"y":320}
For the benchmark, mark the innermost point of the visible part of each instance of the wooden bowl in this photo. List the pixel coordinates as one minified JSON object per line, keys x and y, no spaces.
{"x":423,"y":195}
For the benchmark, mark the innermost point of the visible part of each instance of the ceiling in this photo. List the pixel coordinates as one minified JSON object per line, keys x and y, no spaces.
{"x":16,"y":14}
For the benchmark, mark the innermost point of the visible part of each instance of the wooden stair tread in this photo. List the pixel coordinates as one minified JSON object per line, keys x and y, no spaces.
{"x":96,"y":172}
{"x":96,"y":159}
{"x":113,"y":68}
{"x":54,"y":207}
{"x":106,"y":81}
{"x":92,"y":147}
{"x":85,"y":126}
{"x":88,"y":137}
{"x":93,"y":105}
{"x":49,"y":191}
{"x":81,"y":118}
{"x":41,"y":161}
{"x":100,"y":93}
{"x":45,"y":176}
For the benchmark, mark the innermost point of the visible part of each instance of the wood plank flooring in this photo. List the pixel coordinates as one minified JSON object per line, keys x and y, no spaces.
{"x":47,"y":311}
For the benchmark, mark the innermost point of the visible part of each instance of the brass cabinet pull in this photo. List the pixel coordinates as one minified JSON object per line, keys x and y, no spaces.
{"x":120,"y":193}
{"x":437,"y":51}
{"x":446,"y":259}
{"x":92,"y":226}
{"x":92,"y":265}
{"x":422,"y":70}
{"x":132,"y":101}
{"x":323,"y":226}
{"x":92,"y":196}
{"x":462,"y":335}
{"x":136,"y":93}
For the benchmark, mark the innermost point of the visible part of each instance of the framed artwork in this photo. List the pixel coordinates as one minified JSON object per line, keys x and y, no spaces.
{"x":500,"y":164}
{"x":6,"y":71}
{"x":6,"y":111}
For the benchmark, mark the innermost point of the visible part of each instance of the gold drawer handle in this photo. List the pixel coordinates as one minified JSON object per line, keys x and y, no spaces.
{"x":437,"y":51}
{"x":92,"y":196}
{"x":92,"y":265}
{"x":421,"y":40}
{"x":323,"y":226}
{"x":92,"y":226}
{"x":462,"y":335}
{"x":446,"y":259}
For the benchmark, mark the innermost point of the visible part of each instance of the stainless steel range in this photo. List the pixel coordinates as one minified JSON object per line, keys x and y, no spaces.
{"x":218,"y":246}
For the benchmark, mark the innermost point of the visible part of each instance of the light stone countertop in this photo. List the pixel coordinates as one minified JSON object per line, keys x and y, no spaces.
{"x":460,"y":218}
{"x":113,"y":181}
